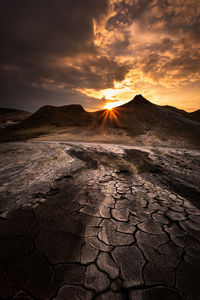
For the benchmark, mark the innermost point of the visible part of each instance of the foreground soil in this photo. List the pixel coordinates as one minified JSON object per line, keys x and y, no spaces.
{"x":99,"y":221}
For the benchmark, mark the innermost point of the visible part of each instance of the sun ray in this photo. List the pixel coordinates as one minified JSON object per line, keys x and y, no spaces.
{"x":108,"y":117}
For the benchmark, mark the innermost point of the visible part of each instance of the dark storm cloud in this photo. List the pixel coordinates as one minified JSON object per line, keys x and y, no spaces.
{"x":37,"y":37}
{"x":30,"y":98}
{"x":48,"y":27}
{"x":94,"y":72}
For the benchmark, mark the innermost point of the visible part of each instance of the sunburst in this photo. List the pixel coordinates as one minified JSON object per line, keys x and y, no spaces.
{"x":110,"y":114}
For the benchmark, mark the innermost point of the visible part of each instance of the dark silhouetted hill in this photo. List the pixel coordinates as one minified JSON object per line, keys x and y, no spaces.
{"x":138,"y":117}
{"x":9,"y":116}
{"x":195,"y":115}
{"x":68,"y":115}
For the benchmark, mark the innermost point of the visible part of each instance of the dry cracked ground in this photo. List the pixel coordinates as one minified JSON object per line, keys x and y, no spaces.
{"x":96,"y":221}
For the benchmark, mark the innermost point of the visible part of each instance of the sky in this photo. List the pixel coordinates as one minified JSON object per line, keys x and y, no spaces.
{"x":94,"y":52}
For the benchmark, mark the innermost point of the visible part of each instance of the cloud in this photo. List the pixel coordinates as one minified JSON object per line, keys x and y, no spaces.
{"x":160,"y":40}
{"x":57,"y":48}
{"x":49,"y":45}
{"x":48,"y":27}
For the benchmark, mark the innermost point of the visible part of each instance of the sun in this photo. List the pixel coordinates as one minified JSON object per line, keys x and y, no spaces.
{"x":109,"y":105}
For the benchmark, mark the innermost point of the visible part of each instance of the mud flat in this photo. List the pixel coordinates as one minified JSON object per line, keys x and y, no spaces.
{"x":99,"y":221}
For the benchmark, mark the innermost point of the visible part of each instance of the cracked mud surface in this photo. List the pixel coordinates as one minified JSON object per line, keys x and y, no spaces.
{"x":95,"y":221}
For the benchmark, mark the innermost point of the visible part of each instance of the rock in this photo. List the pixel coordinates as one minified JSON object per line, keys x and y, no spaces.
{"x":124,"y":227}
{"x":110,"y":296}
{"x":188,"y":280}
{"x":73,"y":292}
{"x":39,"y":276}
{"x":90,"y":210}
{"x":157,"y":275}
{"x":133,"y":220}
{"x":175,"y":216}
{"x":104,"y":211}
{"x":173,"y":229}
{"x":114,"y":238}
{"x":160,"y":219}
{"x":160,"y":259}
{"x":91,"y":231}
{"x":108,"y":224}
{"x":170,"y":250}
{"x":192,"y":228}
{"x":93,"y":222}
{"x":156,"y":293}
{"x":109,"y":201}
{"x":151,"y":227}
{"x":95,"y":279}
{"x":183,"y":241}
{"x":193,"y":211}
{"x":116,"y":285}
{"x":22,"y":296}
{"x":130,"y":260}
{"x":120,"y":214}
{"x":177,"y":208}
{"x":152,"y":239}
{"x":106,"y":264}
{"x":59,"y":247}
{"x":195,"y":219}
{"x":88,"y":254}
{"x":189,"y":226}
{"x":193,"y":250}
{"x":68,"y":274}
{"x":97,"y":244}
{"x":122,"y":204}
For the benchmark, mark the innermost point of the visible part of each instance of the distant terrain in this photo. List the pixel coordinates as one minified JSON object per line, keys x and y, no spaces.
{"x":138,"y":121}
{"x":9,"y":116}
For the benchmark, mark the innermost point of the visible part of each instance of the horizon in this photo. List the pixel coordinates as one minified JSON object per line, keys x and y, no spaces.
{"x":106,"y":106}
{"x":99,"y":52}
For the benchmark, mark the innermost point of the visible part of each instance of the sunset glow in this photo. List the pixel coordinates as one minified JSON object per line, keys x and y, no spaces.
{"x":110,"y":115}
{"x":111,"y":105}
{"x":121,"y":48}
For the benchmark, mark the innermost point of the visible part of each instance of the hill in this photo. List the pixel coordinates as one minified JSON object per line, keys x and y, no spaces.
{"x":138,"y":117}
{"x":9,"y":116}
{"x":195,"y":115}
{"x":68,"y":115}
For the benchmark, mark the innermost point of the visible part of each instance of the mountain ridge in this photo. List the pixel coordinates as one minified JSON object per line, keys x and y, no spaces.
{"x":136,"y":118}
{"x":11,"y":116}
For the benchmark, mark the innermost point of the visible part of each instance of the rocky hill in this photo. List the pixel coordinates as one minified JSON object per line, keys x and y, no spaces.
{"x":9,"y":116}
{"x":138,"y":117}
{"x":68,"y":115}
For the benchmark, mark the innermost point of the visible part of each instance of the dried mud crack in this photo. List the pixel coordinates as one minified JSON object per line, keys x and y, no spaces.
{"x":94,"y":221}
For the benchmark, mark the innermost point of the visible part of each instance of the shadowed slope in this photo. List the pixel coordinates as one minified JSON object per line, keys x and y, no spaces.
{"x":195,"y":115}
{"x":140,"y":116}
{"x":9,"y":116}
{"x":135,"y":118}
{"x":59,"y":116}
